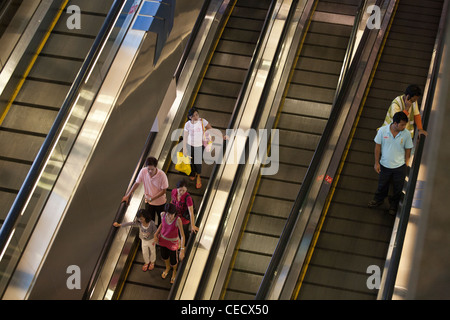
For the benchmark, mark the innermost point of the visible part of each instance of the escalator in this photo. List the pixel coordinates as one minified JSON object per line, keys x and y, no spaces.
{"x":354,"y":237}
{"x":215,"y":99}
{"x":301,"y":121}
{"x":32,"y":111}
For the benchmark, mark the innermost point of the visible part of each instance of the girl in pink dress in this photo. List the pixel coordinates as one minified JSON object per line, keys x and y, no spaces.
{"x":169,"y":241}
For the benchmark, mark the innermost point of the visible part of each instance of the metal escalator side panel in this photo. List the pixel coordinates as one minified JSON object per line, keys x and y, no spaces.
{"x":225,"y":170}
{"x":353,"y":237}
{"x":51,"y":190}
{"x":396,"y":282}
{"x":172,"y":113}
{"x":282,"y":272}
{"x":284,"y":122}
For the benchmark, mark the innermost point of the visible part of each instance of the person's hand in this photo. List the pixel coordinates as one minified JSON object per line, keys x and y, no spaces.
{"x":423,"y":132}
{"x":408,"y":103}
{"x":115,"y":224}
{"x":126,"y":199}
{"x":377,"y":167}
{"x":194,"y":229}
{"x":181,"y":254}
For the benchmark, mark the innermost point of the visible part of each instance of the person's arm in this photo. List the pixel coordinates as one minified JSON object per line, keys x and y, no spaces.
{"x":377,"y":157}
{"x":407,"y":156}
{"x":185,"y":139}
{"x":418,"y":122}
{"x":158,"y":231}
{"x":180,"y":228}
{"x":159,"y":194}
{"x":126,"y":224}
{"x":191,"y":214}
{"x":209,"y":127}
{"x":126,"y":198}
{"x":174,"y":196}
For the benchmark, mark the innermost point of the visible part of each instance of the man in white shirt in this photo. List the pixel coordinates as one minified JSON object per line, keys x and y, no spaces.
{"x":393,"y":146}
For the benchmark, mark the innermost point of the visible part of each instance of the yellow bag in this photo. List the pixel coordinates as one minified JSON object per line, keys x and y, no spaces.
{"x":183,"y":164}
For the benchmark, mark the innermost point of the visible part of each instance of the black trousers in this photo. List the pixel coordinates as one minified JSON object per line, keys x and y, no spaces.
{"x":386,"y":177}
{"x":197,"y":158}
{"x":154,"y":210}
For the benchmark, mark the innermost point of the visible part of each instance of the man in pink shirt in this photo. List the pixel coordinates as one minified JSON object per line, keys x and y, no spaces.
{"x":155,"y":186}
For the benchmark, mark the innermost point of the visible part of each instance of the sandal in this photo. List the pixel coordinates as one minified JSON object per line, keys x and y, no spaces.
{"x":164,"y":274}
{"x":198,"y":185}
{"x":145,"y":267}
{"x":172,"y":280}
{"x":151,"y":266}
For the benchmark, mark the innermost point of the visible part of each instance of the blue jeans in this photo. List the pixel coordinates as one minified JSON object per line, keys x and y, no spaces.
{"x":386,"y":176}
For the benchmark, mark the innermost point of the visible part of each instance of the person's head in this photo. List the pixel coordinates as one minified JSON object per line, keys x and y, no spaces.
{"x":170,"y":208}
{"x":143,"y":216}
{"x":193,"y":114}
{"x":400,"y":120}
{"x":181,"y":187}
{"x":151,"y":163}
{"x":413,"y":92}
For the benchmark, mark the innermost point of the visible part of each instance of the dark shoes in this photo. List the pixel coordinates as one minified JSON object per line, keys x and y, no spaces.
{"x":392,"y":211}
{"x":374,"y":204}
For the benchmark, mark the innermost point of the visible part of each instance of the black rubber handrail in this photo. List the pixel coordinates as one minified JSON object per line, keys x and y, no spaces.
{"x":191,"y":40}
{"x":146,"y":150}
{"x":215,"y":170}
{"x":240,"y":170}
{"x":346,"y":83}
{"x":118,"y":217}
{"x":51,"y":139}
{"x":405,"y":207}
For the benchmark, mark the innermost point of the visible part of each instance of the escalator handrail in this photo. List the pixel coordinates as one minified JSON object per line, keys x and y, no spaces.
{"x":283,"y":241}
{"x":240,"y":170}
{"x":141,"y":162}
{"x":191,"y":40}
{"x":52,"y":137}
{"x":403,"y":214}
{"x":238,"y":104}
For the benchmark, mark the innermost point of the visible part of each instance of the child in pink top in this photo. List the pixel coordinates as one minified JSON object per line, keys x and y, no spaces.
{"x":167,"y":237}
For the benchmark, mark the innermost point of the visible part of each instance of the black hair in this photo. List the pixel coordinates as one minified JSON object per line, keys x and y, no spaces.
{"x":191,"y":112}
{"x":399,"y":116}
{"x":170,"y":208}
{"x":145,"y":214}
{"x":181,"y":183}
{"x":151,"y":161}
{"x":413,"y":90}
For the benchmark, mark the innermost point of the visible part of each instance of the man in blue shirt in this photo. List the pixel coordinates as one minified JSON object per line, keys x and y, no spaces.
{"x":393,"y":146}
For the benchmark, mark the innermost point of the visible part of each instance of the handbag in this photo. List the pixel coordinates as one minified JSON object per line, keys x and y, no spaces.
{"x":207,"y":142}
{"x":183,"y":164}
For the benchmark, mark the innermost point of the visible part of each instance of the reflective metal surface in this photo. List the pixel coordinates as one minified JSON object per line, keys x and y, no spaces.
{"x":243,"y":194}
{"x":18,"y":35}
{"x":302,"y":235}
{"x":170,"y":113}
{"x":228,"y":168}
{"x":353,"y":238}
{"x":424,"y":269}
{"x":111,"y":164}
{"x":50,"y":212}
{"x":408,"y":268}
